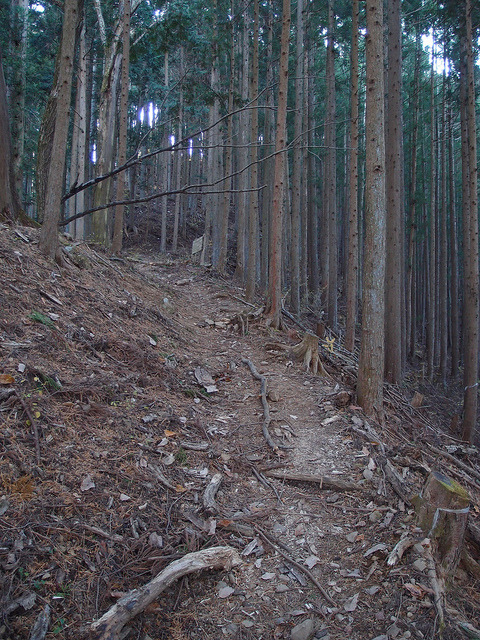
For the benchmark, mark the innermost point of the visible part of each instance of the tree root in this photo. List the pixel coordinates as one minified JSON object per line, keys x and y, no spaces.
{"x":266,"y":410}
{"x":110,"y":625}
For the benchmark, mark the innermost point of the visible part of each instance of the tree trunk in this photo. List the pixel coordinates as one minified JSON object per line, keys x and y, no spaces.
{"x":394,"y":158}
{"x":9,"y":203}
{"x":48,"y":242}
{"x":253,"y":200}
{"x":123,"y":124}
{"x":454,"y":293}
{"x":330,"y":210}
{"x":179,"y":157}
{"x":470,"y":243}
{"x":163,"y":170}
{"x":352,"y":261}
{"x":371,"y":361}
{"x":297,"y":168}
{"x":19,"y":40}
{"x":432,"y":256}
{"x":443,"y":256}
{"x":274,"y":304}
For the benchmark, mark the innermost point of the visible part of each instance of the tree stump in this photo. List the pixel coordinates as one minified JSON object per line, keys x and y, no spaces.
{"x":308,"y":350}
{"x":442,"y":512}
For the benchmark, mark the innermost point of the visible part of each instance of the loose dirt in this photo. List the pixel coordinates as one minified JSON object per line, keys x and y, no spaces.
{"x":109,"y":440}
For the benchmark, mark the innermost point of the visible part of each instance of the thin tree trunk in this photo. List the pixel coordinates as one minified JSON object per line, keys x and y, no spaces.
{"x":19,"y":41}
{"x":297,"y":167}
{"x":48,"y":241}
{"x":179,"y":157}
{"x":274,"y":304}
{"x":352,"y":261}
{"x":470,"y":244}
{"x":443,"y":257}
{"x":122,"y":146}
{"x":394,"y":250}
{"x":454,"y":293}
{"x":253,"y":200}
{"x":432,"y":289}
{"x":164,"y":157}
{"x":330,"y":210}
{"x":371,"y":361}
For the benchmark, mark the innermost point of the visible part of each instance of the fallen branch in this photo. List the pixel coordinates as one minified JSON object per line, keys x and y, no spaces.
{"x":266,"y":410}
{"x":437,"y":586}
{"x":277,"y":546}
{"x":160,"y":477}
{"x":41,"y":625}
{"x":211,"y":491}
{"x":109,"y":626}
{"x":459,"y":463}
{"x":324,"y":481}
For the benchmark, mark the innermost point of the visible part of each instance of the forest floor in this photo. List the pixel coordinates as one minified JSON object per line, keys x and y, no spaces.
{"x":125,"y":390}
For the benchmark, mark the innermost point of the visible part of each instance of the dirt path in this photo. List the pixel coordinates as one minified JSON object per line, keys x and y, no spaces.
{"x":107,"y":356}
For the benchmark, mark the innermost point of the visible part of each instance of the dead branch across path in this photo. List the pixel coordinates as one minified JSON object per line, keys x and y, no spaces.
{"x":110,"y":625}
{"x":324,"y":481}
{"x":276,"y":544}
{"x":266,"y":410}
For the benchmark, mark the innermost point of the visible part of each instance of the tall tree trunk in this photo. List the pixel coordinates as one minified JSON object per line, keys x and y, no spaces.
{"x":106,"y":123}
{"x":122,"y":143}
{"x":244,"y":126}
{"x":297,"y":167}
{"x":274,"y":303}
{"x":410,"y":294}
{"x":394,"y":159}
{"x":454,"y":293}
{"x":179,"y":157}
{"x":312,"y":178}
{"x":470,"y":243}
{"x":48,"y":241}
{"x":352,"y":261}
{"x":224,"y":217}
{"x":19,"y":41}
{"x":371,"y":361}
{"x":443,"y":257}
{"x":253,"y":200}
{"x":331,"y":174}
{"x":9,"y":202}
{"x":432,"y":283}
{"x":163,"y":170}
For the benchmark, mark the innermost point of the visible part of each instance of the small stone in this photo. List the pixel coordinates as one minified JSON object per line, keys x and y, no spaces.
{"x":375,"y":516}
{"x":351,"y":537}
{"x":247,"y":623}
{"x":420,"y":564}
{"x":281,"y":588}
{"x":273,"y":395}
{"x":303,"y":631}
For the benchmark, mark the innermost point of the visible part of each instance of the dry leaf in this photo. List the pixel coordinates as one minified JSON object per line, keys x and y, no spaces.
{"x":6,"y":378}
{"x":179,"y":488}
{"x":351,"y":603}
{"x":169,"y":434}
{"x":87,"y":483}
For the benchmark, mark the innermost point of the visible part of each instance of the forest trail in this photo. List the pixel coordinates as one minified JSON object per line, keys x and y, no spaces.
{"x":111,"y":360}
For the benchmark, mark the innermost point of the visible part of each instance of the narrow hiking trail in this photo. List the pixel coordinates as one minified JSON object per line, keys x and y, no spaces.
{"x":140,"y":394}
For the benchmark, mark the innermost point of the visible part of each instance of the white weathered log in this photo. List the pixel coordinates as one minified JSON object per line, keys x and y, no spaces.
{"x":109,"y":626}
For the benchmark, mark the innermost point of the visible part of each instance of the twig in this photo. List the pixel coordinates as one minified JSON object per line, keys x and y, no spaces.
{"x":114,"y":537}
{"x":33,"y":425}
{"x":266,"y":483}
{"x":459,"y":463}
{"x":325,"y":482}
{"x":211,"y":491}
{"x":438,"y":591}
{"x":266,"y":410}
{"x":276,"y":545}
{"x":42,"y":622}
{"x":110,"y":625}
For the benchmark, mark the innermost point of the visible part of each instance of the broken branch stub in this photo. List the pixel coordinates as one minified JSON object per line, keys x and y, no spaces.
{"x":110,"y":625}
{"x":442,"y":512}
{"x":308,"y":350}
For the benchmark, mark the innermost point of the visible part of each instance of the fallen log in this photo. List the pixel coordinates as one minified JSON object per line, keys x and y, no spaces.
{"x":110,"y":625}
{"x":325,"y":482}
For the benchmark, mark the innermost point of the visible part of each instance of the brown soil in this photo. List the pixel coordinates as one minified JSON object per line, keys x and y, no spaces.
{"x":99,"y":391}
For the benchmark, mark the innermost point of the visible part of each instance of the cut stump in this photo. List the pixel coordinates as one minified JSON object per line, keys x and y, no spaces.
{"x":308,"y":350}
{"x":442,"y":512}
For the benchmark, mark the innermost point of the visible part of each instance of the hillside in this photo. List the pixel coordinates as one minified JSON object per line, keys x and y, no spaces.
{"x":127,"y":386}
